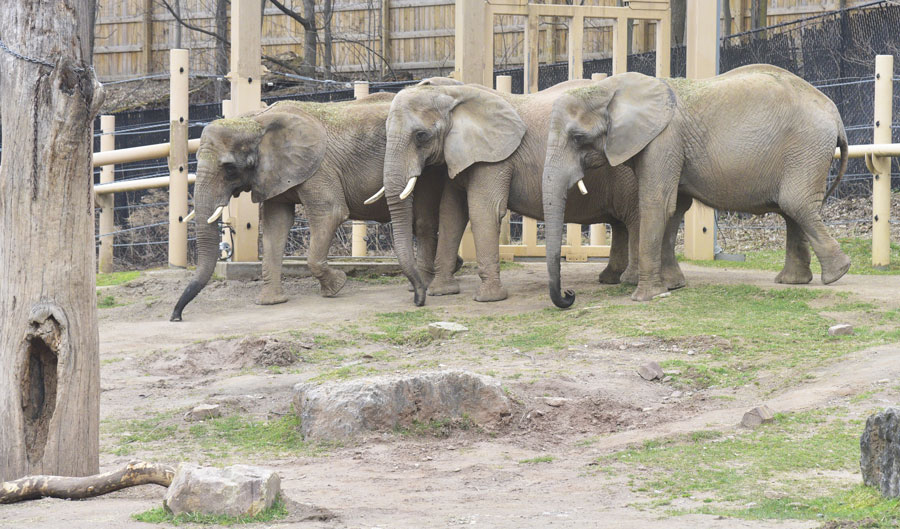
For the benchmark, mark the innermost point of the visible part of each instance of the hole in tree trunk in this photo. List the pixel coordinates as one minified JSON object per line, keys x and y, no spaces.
{"x":39,"y":381}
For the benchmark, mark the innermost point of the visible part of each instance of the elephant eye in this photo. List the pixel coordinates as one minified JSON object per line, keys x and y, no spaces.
{"x":422,"y":136}
{"x":579,"y":138}
{"x":231,"y":172}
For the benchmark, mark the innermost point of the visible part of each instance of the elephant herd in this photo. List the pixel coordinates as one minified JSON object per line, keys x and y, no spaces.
{"x":632,"y":151}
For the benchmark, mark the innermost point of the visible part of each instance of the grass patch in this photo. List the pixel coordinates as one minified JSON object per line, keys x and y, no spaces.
{"x":858,"y":250}
{"x":344,"y":373}
{"x":107,"y":302}
{"x":536,"y":460}
{"x":116,"y":278}
{"x":398,"y":328}
{"x":790,"y":469}
{"x":277,"y":511}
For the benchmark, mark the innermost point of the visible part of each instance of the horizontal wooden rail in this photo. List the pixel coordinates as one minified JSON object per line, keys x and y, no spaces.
{"x":860,"y":151}
{"x":137,"y":184}
{"x":139,"y":154}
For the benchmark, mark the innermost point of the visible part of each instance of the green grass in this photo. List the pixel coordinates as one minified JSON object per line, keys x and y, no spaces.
{"x":116,"y":278}
{"x":790,"y":469}
{"x":535,"y":460}
{"x":277,"y":511}
{"x":858,"y":250}
{"x":344,"y":373}
{"x":398,"y":328}
{"x":107,"y":302}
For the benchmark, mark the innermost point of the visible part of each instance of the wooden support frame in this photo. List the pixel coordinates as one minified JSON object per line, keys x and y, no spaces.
{"x":358,"y":247}
{"x":179,"y":76}
{"x":107,"y":202}
{"x":881,"y":166}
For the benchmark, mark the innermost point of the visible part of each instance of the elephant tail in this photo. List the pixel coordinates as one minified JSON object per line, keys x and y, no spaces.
{"x":842,"y":144}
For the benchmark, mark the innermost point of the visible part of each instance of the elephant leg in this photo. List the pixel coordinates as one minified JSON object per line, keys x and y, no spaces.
{"x":796,"y":269}
{"x":451,"y":224}
{"x":658,"y":174}
{"x":487,"y":204}
{"x":672,"y":275}
{"x":833,"y":260}
{"x":324,"y":219}
{"x":277,"y":219}
{"x":618,"y":265}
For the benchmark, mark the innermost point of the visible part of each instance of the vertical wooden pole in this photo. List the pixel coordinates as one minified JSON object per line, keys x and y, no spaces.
{"x":107,"y":202}
{"x":702,"y":46}
{"x":598,"y":231}
{"x":245,"y":75}
{"x":620,"y":46}
{"x":470,"y":51}
{"x":358,"y":245}
{"x":881,"y":186}
{"x":147,"y":47}
{"x":576,"y":46}
{"x":529,"y":235}
{"x":178,"y":156}
{"x":385,"y":36}
{"x":664,"y":45}
{"x":504,"y":84}
{"x":532,"y":38}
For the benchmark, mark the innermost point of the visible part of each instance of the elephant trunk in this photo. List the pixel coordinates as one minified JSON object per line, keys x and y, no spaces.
{"x":207,"y":243}
{"x":555,"y":181}
{"x":396,"y":180}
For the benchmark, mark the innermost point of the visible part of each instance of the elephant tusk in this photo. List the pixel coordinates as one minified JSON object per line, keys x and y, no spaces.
{"x":216,"y":214}
{"x":409,"y":188}
{"x":581,"y":187}
{"x":374,"y":198}
{"x":189,"y":216}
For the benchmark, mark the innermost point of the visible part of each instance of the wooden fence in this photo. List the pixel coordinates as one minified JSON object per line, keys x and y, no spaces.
{"x":133,"y":37}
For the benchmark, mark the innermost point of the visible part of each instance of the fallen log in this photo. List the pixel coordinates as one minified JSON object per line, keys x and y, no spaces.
{"x":136,"y":472}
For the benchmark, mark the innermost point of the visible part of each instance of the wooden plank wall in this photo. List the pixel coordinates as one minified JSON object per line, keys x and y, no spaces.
{"x":421,"y":35}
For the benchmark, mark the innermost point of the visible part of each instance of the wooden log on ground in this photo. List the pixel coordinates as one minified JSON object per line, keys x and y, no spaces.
{"x":136,"y":472}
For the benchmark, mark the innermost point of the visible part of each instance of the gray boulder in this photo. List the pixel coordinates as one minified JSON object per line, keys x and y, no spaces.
{"x":651,"y":371}
{"x":341,"y":410}
{"x":239,"y":490}
{"x":879,"y":449}
{"x":445,"y":329}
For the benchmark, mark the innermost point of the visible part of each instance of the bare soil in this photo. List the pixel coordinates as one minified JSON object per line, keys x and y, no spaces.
{"x":575,"y":405}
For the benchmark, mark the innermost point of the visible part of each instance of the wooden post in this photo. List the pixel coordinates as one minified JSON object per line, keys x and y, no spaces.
{"x":385,"y":36}
{"x":358,"y":239}
{"x":504,"y":84}
{"x":529,"y":234}
{"x":178,"y":156}
{"x":49,"y":345}
{"x":702,"y":46}
{"x":147,"y":47}
{"x":107,"y":203}
{"x":245,"y":75}
{"x":664,"y":45}
{"x":576,"y":45}
{"x":620,"y":46}
{"x":469,"y":59}
{"x":881,"y":186}
{"x":532,"y":38}
{"x":598,"y":231}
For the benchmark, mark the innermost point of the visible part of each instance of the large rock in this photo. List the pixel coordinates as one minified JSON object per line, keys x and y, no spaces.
{"x":342,"y":410}
{"x":239,"y":490}
{"x":445,"y":329}
{"x":879,"y":449}
{"x":757,"y":416}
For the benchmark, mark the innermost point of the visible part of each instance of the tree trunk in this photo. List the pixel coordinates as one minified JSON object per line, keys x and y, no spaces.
{"x":49,"y":359}
{"x":176,"y":5}
{"x":221,"y":51}
{"x":310,"y":39}
{"x":758,"y":13}
{"x":679,"y":15}
{"x":726,"y":17}
{"x":327,"y":12}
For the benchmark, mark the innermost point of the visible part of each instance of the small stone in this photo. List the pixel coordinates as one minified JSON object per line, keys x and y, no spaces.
{"x":554,"y":402}
{"x":879,"y":458}
{"x":667,"y":378}
{"x":676,"y":394}
{"x":203,"y":412}
{"x":623,"y":347}
{"x":841,"y":329}
{"x":756,"y":416}
{"x":690,"y":352}
{"x":650,"y":371}
{"x":445,"y":329}
{"x":239,"y":490}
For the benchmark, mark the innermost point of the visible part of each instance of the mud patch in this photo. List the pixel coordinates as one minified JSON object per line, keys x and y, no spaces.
{"x":225,"y":355}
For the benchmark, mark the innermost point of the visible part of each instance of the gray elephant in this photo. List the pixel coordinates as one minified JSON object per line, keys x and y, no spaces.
{"x":756,"y":139}
{"x":328,"y":157}
{"x":493,"y":145}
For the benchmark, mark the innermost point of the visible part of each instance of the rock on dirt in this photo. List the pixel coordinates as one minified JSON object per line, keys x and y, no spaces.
{"x":841,"y":329}
{"x":203,"y":412}
{"x":341,"y":410}
{"x":239,"y":490}
{"x":445,"y":329}
{"x":879,"y":458}
{"x":651,"y":371}
{"x":756,"y":416}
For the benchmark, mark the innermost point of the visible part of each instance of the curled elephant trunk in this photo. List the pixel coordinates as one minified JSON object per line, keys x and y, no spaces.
{"x":555,"y":189}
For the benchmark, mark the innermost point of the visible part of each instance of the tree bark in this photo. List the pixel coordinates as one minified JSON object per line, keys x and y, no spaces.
{"x":679,"y":15}
{"x":327,"y":12}
{"x":310,"y":39}
{"x":49,"y":359}
{"x":726,"y":17}
{"x":758,"y":13}
{"x":135,"y":473}
{"x":221,"y":47}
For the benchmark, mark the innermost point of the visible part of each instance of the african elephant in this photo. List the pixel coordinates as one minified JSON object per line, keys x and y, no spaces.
{"x":756,"y":139}
{"x":328,"y":157}
{"x":493,"y":145}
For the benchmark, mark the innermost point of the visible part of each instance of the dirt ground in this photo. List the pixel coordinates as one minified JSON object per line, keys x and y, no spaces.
{"x":467,"y":478}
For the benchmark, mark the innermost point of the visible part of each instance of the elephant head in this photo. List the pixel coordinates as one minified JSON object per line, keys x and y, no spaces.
{"x":439,"y":123}
{"x":266,"y":154}
{"x":608,"y":122}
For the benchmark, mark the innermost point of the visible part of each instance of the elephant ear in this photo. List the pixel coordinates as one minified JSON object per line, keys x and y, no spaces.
{"x":290,"y":152}
{"x":640,"y":109}
{"x":484,"y":127}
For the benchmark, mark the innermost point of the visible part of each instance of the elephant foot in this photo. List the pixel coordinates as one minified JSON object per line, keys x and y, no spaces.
{"x":491,"y":292}
{"x":271,"y":298}
{"x":443,"y":287}
{"x":629,"y":276}
{"x":835,"y":269}
{"x":426,"y":280}
{"x":647,"y":291}
{"x":673,"y":278}
{"x":609,"y":276}
{"x":332,"y":283}
{"x":794,"y":277}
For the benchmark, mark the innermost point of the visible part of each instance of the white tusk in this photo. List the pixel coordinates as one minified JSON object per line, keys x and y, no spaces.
{"x":374,"y":198}
{"x":581,"y":187}
{"x":216,"y":214}
{"x":409,"y":188}
{"x":189,"y":216}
